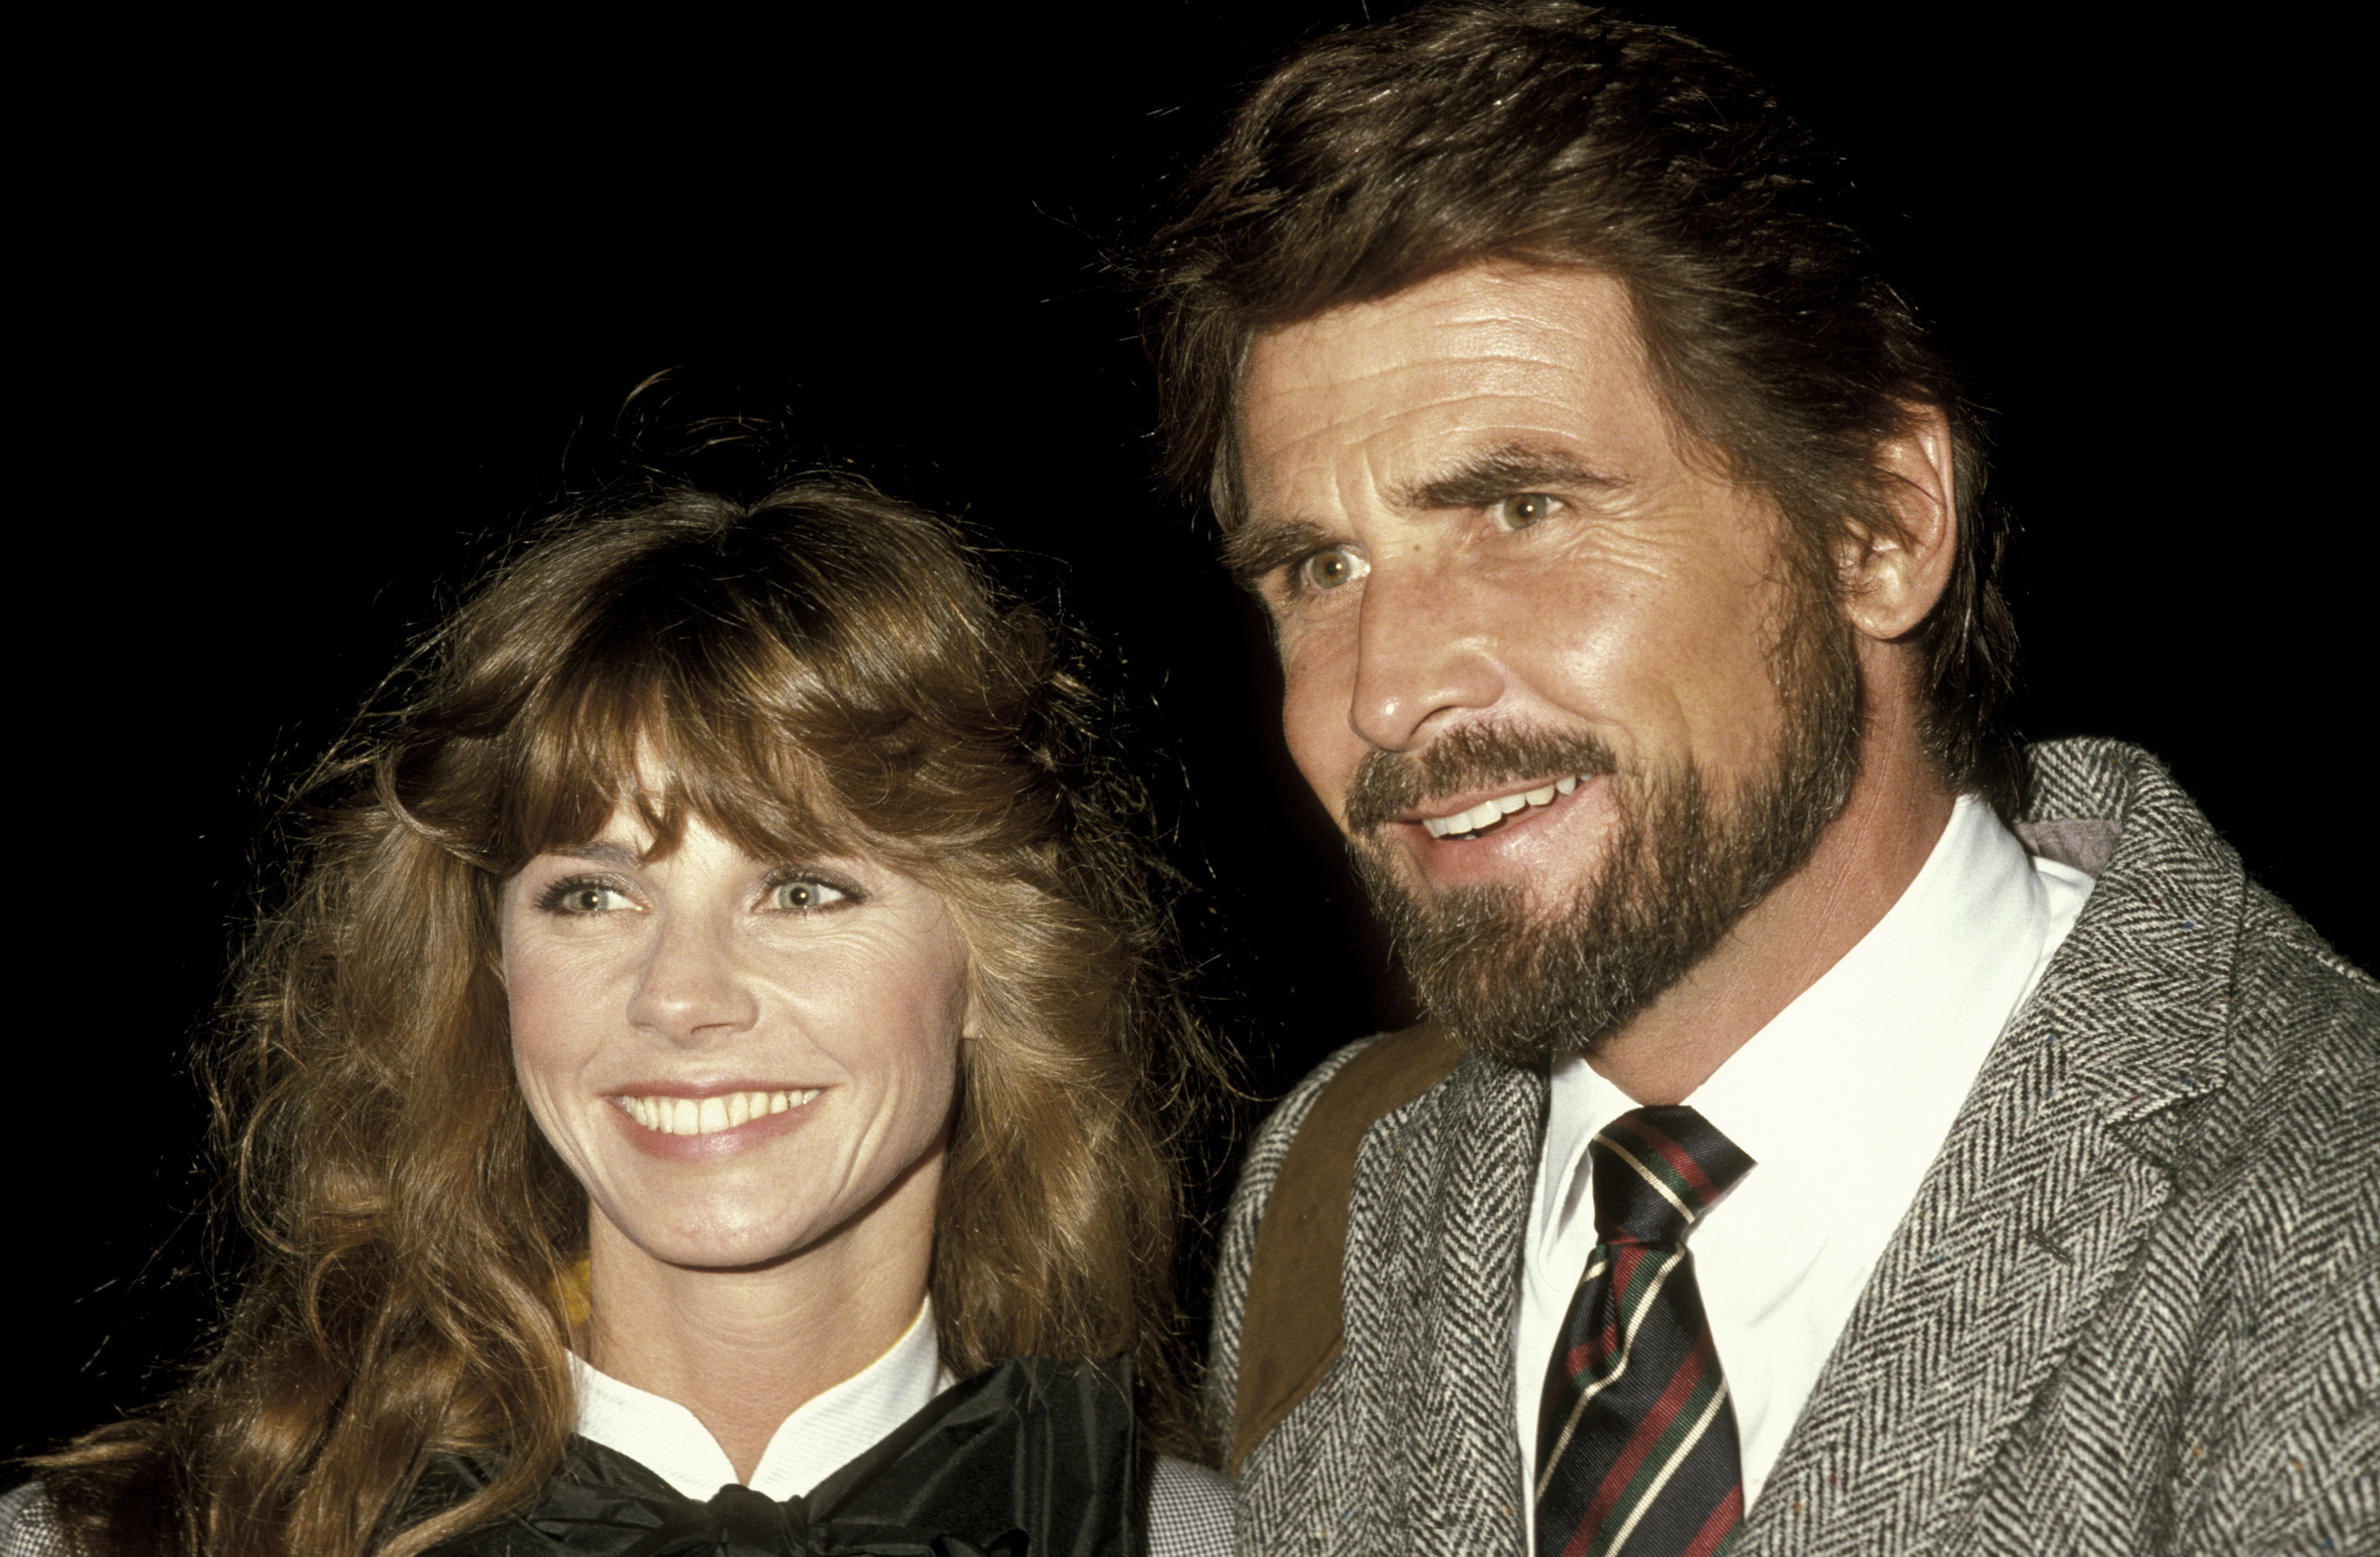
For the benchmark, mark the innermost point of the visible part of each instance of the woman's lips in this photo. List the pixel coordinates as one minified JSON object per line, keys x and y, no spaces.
{"x":675,"y":1127}
{"x":670,"y":1115}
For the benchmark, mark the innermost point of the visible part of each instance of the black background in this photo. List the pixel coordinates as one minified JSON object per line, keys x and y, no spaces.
{"x":316,"y":313}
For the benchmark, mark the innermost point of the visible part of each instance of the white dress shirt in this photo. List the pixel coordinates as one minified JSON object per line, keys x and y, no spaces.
{"x":1842,"y":1102}
{"x":825,"y":1434}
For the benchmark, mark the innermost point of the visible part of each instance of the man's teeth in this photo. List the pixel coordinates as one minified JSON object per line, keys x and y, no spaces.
{"x":708,"y":1116}
{"x":1488,"y":813}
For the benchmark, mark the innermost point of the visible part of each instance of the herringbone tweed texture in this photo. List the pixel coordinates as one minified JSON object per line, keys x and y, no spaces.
{"x":2135,"y":1309}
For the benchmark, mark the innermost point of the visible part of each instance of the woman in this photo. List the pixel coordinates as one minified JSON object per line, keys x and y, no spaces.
{"x":721,"y":1011}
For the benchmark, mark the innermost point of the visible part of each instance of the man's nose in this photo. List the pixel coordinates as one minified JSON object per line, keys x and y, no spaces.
{"x":692,"y":988}
{"x":1424,"y":652}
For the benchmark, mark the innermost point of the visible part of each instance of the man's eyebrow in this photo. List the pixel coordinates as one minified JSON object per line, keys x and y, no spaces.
{"x":1259,"y":546}
{"x":1502,"y":472}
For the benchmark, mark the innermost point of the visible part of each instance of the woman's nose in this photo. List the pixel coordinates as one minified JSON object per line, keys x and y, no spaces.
{"x":692,"y":988}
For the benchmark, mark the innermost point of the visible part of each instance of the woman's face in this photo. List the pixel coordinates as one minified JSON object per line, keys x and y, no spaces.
{"x":740,"y":1059}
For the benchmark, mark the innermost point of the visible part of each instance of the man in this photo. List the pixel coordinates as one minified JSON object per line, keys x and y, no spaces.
{"x":1622,"y":538}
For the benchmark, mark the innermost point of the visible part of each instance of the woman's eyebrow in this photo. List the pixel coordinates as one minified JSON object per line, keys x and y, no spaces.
{"x":618,"y":856}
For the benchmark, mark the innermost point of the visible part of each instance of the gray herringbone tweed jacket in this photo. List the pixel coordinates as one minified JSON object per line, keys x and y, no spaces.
{"x":2135,"y":1307}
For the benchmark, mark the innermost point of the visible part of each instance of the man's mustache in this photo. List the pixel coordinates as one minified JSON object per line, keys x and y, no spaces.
{"x":1389,"y":784}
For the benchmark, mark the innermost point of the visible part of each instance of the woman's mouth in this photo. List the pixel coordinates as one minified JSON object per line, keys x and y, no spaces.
{"x":709,"y":1116}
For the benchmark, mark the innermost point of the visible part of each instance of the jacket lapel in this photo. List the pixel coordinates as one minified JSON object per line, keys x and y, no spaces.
{"x":2050,"y":1179}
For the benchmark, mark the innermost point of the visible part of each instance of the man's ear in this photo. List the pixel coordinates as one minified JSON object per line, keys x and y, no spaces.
{"x":1890,"y":582}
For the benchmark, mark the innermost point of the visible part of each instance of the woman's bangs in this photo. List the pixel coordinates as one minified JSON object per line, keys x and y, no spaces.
{"x":670,"y":735}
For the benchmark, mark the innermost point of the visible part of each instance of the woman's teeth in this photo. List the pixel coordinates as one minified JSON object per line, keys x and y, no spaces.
{"x":708,"y":1116}
{"x":1488,"y":813}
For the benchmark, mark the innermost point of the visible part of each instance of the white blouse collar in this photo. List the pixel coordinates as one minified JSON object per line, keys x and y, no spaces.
{"x":818,"y":1440}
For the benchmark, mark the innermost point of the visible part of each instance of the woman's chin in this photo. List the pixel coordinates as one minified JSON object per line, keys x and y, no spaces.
{"x":756,"y":1229}
{"x":727,"y":1245}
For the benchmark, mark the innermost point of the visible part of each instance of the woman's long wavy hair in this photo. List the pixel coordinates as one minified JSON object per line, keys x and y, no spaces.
{"x":824,"y":671}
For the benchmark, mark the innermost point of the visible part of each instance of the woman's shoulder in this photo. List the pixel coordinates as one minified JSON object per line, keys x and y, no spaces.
{"x":29,"y":1525}
{"x":1189,"y":1511}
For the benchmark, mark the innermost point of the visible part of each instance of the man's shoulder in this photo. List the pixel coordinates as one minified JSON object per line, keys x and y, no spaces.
{"x":1287,"y":1116}
{"x":2172,"y":895}
{"x":1303,"y":1203}
{"x":2302,"y":1017}
{"x":1327,"y":1113}
{"x":1251,"y":1201}
{"x":2208,"y":998}
{"x":1360,"y":1269}
{"x":1378,"y":1076}
{"x":2214,"y":1066}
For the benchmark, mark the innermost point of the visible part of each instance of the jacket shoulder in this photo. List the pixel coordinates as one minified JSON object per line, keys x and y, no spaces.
{"x":1287,"y":1229}
{"x":2227,"y":1389}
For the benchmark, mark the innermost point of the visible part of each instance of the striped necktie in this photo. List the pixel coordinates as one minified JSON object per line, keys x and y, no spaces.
{"x":1636,"y":1449}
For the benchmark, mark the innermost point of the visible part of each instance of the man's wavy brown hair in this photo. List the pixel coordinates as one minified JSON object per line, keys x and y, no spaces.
{"x":1542,"y":133}
{"x":823,"y":671}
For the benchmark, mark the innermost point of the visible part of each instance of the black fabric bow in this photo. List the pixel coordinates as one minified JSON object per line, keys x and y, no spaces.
{"x":1032,"y":1458}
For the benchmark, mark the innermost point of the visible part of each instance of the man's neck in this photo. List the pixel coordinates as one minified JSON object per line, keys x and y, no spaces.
{"x":1862,"y":863}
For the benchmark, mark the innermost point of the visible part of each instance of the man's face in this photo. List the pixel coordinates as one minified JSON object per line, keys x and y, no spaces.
{"x":1558,"y":680}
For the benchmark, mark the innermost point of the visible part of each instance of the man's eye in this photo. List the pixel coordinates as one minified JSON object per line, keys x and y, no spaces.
{"x":803,"y":894}
{"x":1330,"y":569}
{"x":1523,"y":509}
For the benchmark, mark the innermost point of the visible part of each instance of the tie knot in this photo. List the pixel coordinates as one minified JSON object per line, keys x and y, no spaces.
{"x":1656,"y":1170}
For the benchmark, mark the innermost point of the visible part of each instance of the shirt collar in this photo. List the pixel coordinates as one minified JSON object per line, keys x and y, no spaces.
{"x":819,"y":1438}
{"x":1885,"y":1043}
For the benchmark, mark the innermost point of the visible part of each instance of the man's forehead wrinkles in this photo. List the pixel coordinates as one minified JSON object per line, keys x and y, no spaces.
{"x":1319,"y":381}
{"x":1419,"y":430}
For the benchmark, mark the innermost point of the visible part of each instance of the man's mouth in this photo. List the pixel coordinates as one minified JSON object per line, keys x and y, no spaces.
{"x":1490,"y":813}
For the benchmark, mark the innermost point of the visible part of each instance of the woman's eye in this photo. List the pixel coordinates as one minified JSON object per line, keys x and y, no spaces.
{"x":805,"y":895}
{"x":1330,"y":569}
{"x":1521,"y":511}
{"x":582,"y":897}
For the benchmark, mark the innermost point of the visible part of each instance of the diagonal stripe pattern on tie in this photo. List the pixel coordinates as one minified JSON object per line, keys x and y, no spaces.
{"x":1636,"y":1447}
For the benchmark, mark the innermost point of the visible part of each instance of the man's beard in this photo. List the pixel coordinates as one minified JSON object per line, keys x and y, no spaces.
{"x":1683,"y":867}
